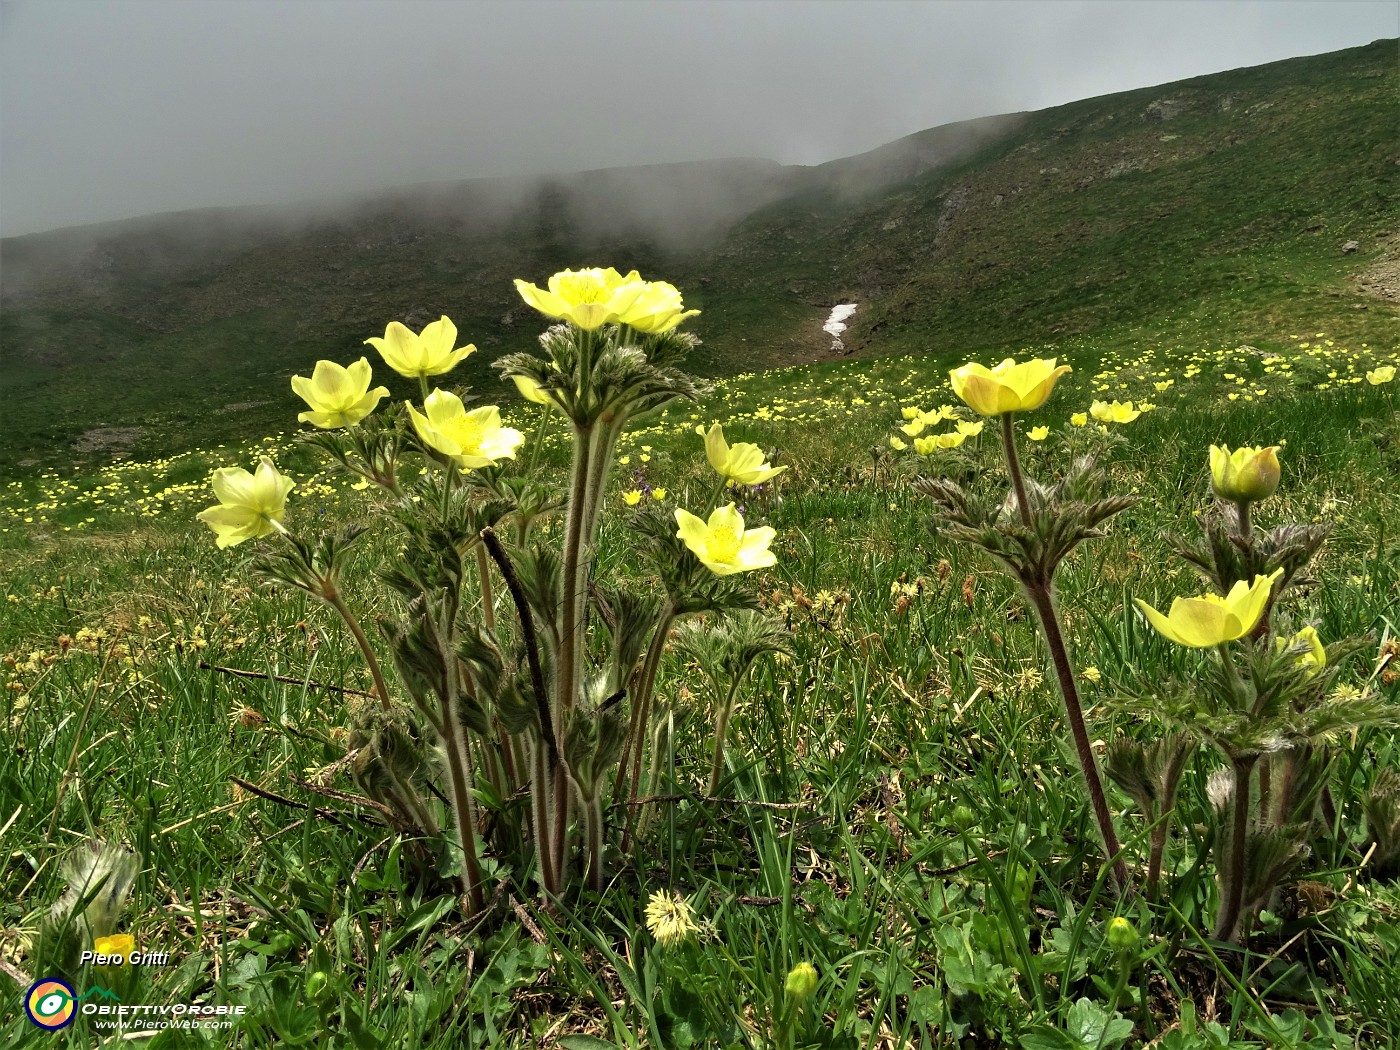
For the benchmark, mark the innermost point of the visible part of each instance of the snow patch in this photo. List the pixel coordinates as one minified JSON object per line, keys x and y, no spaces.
{"x":836,"y":323}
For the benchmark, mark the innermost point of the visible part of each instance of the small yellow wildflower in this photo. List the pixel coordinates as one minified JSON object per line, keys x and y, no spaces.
{"x":669,"y":918}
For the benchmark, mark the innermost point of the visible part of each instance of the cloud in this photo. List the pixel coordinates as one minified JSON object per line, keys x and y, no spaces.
{"x":114,"y":109}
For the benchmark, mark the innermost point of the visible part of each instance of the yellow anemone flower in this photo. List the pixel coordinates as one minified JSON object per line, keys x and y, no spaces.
{"x":632,"y":497}
{"x":915,"y":426}
{"x":1315,"y":659}
{"x":338,"y":396}
{"x":473,"y":439}
{"x":723,"y":544}
{"x":658,"y":308}
{"x":910,"y":412}
{"x":250,"y":505}
{"x":927,"y":446}
{"x":970,"y":429}
{"x":1008,"y":387}
{"x":532,"y":391}
{"x":429,"y":353}
{"x":1384,"y":374}
{"x":897,"y":444}
{"x":122,"y":944}
{"x":1079,"y":419}
{"x":1114,"y":412}
{"x":593,"y":297}
{"x":741,"y":462}
{"x":1245,"y":475}
{"x":1038,"y":433}
{"x":1210,"y":619}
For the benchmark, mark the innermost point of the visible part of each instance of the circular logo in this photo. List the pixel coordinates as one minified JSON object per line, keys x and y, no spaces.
{"x":50,"y":1003}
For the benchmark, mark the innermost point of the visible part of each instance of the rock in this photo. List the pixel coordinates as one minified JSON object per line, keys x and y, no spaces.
{"x":1350,"y":246}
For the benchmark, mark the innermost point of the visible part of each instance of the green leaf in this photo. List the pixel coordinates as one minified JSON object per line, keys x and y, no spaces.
{"x":586,"y":1042}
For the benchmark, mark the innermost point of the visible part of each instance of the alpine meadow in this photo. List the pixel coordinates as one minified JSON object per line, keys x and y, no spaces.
{"x":947,"y":597}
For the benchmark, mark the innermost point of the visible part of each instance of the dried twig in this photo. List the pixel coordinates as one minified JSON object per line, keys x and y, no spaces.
{"x":240,"y":673}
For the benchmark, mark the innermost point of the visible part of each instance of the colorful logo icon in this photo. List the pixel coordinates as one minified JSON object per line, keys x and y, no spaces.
{"x":50,"y":1003}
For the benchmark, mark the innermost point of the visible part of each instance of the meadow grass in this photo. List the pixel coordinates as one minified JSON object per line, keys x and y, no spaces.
{"x":899,"y":806}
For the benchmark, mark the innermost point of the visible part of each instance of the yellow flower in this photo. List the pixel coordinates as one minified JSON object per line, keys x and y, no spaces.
{"x":1079,"y":419}
{"x":1384,"y":374}
{"x":927,"y":446}
{"x":532,"y":391}
{"x":669,"y":918}
{"x":971,"y":429}
{"x":1315,"y":659}
{"x":632,"y":497}
{"x":909,"y":412}
{"x":1038,"y":433}
{"x":122,"y":944}
{"x":250,"y":505}
{"x":1008,"y":387}
{"x":338,"y":396}
{"x":1247,"y":474}
{"x":473,"y":439}
{"x":723,"y":544}
{"x":594,"y":297}
{"x":1210,"y":619}
{"x":657,"y":309}
{"x":658,"y":494}
{"x":428,"y":353}
{"x":1114,"y":412}
{"x":915,"y":426}
{"x":897,"y":444}
{"x":742,"y":462}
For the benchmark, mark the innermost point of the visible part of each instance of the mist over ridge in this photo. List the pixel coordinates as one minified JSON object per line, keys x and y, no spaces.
{"x":1001,"y":232}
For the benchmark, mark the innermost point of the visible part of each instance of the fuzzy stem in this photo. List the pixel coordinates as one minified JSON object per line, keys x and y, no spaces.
{"x":423,"y":386}
{"x":721,"y":735}
{"x":336,"y":602}
{"x":1245,"y":527}
{"x":1050,"y":626}
{"x":488,"y":607}
{"x":539,"y":439}
{"x":640,"y":728}
{"x":1232,"y":890}
{"x":540,"y":817}
{"x":459,"y":775}
{"x":593,"y":843}
{"x":1013,"y":465}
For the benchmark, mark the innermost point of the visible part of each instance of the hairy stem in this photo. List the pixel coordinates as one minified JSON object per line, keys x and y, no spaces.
{"x":1050,"y":626}
{"x":1013,"y":465}
{"x":640,"y":728}
{"x":336,"y":602}
{"x":1232,"y":875}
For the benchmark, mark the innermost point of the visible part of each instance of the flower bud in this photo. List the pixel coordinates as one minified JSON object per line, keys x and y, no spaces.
{"x":1122,"y":935}
{"x":801,"y":982}
{"x":1245,"y":475}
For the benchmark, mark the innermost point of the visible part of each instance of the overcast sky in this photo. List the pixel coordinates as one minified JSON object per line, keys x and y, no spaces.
{"x":115,"y":108}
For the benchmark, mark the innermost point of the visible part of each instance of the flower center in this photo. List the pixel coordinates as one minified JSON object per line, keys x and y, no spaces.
{"x":724,"y":543}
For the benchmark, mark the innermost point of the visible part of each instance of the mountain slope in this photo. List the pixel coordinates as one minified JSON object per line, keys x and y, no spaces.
{"x":1223,"y":201}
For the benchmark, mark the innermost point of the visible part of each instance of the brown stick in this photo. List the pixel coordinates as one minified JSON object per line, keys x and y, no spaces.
{"x":205,"y":666}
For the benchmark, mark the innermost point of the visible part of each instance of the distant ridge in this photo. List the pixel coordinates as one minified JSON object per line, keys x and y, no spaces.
{"x":1226,"y":196}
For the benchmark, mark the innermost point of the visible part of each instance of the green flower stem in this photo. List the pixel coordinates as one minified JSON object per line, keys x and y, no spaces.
{"x":721,"y":732}
{"x":1041,"y":595}
{"x":488,"y":607}
{"x":1246,"y":526}
{"x":1232,"y":877}
{"x":423,"y":386}
{"x":459,"y":775}
{"x":335,"y":601}
{"x":571,"y":613}
{"x":541,"y":816}
{"x":540,"y":432}
{"x":1013,"y":465}
{"x":640,"y":728}
{"x":593,"y":843}
{"x":1162,"y":828}
{"x":1044,"y":604}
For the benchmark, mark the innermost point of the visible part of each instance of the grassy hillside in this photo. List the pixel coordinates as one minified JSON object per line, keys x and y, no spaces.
{"x":1218,"y":204}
